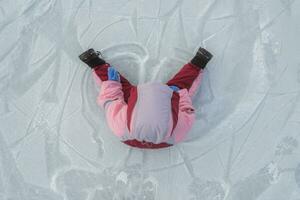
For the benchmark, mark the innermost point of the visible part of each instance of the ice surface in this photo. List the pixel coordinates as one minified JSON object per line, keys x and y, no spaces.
{"x":55,"y":144}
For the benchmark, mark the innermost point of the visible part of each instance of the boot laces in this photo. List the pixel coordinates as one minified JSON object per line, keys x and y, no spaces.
{"x":98,"y":53}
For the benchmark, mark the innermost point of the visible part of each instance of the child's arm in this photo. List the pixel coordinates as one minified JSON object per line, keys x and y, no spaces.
{"x":186,"y":116}
{"x":111,"y":99}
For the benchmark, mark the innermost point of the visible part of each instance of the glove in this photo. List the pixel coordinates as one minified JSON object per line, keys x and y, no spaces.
{"x":174,"y":88}
{"x":113,"y":74}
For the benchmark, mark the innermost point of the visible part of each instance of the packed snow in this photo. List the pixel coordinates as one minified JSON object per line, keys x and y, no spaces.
{"x":54,"y":141}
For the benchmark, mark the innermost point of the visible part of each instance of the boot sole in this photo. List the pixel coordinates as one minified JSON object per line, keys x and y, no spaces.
{"x":84,"y":56}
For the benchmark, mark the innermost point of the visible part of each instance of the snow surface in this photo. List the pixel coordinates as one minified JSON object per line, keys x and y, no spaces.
{"x":55,"y":144}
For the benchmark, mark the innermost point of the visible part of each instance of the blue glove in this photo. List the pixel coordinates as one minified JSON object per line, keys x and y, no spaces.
{"x":174,"y":88}
{"x":113,"y":74}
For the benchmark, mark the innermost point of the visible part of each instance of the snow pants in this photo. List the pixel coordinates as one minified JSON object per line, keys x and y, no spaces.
{"x":187,"y":77}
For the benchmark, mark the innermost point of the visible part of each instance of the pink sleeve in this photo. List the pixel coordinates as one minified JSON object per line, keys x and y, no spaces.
{"x":110,"y":91}
{"x":186,"y":116}
{"x":112,"y":100}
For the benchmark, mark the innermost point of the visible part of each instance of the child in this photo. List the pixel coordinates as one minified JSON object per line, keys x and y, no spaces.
{"x":151,"y":115}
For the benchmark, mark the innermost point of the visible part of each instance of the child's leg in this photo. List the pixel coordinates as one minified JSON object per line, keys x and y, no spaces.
{"x":185,"y":77}
{"x":189,"y":77}
{"x":101,"y":72}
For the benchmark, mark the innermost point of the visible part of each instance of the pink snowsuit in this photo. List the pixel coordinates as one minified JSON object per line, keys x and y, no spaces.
{"x":149,"y":115}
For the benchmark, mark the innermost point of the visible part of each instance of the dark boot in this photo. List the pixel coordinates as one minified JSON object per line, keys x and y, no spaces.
{"x":91,"y":58}
{"x":201,"y":58}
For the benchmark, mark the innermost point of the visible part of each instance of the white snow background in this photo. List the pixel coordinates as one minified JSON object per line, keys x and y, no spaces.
{"x":54,"y":141}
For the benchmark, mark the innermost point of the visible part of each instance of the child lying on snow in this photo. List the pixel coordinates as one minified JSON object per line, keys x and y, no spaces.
{"x":151,"y":115}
